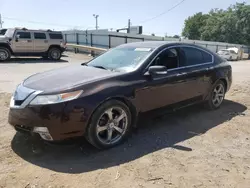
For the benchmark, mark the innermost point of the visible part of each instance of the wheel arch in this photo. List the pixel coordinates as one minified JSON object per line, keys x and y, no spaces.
{"x":54,"y":46}
{"x":122,"y":99}
{"x":5,"y":45}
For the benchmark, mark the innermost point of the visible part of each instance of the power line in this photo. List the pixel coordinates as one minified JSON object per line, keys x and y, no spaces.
{"x":147,"y":20}
{"x":35,"y":22}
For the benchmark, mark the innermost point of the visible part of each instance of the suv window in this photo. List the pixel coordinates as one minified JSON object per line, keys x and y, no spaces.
{"x":55,"y":36}
{"x":23,"y":35}
{"x":168,"y":58}
{"x":39,"y":35}
{"x":195,"y":56}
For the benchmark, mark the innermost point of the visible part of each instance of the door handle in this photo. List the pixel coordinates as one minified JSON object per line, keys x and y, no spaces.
{"x":181,"y":74}
{"x":210,"y":68}
{"x":46,"y":41}
{"x":29,"y":40}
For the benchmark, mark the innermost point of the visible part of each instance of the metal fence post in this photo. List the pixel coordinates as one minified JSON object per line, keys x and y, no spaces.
{"x":91,"y":44}
{"x":109,"y":41}
{"x":126,"y":39}
{"x":143,"y":39}
{"x":65,"y":37}
{"x":91,"y":39}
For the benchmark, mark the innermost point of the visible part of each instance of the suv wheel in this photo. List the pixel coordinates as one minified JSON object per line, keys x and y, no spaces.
{"x":4,"y":54}
{"x":109,"y":125}
{"x":55,"y":54}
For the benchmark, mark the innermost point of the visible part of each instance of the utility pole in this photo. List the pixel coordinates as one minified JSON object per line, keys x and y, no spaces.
{"x":129,"y":25}
{"x":96,"y":21}
{"x":1,"y":22}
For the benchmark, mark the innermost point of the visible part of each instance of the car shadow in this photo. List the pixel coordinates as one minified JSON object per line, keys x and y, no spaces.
{"x":153,"y":134}
{"x":32,"y":60}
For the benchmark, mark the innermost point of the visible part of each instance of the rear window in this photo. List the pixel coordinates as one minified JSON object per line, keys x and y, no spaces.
{"x":55,"y":36}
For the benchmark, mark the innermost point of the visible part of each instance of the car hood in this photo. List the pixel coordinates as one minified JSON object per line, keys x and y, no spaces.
{"x":57,"y":80}
{"x":3,"y":38}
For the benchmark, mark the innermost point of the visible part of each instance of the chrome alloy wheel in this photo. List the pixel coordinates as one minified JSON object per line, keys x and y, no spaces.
{"x":218,"y":95}
{"x":112,"y":125}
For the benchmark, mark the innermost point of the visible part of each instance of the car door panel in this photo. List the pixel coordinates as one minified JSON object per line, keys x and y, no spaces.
{"x":161,"y":91}
{"x":22,"y":45}
{"x":40,"y":42}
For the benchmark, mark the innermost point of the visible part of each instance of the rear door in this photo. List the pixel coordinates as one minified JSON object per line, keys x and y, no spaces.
{"x":23,"y":42}
{"x":199,"y":68}
{"x":40,"y":42}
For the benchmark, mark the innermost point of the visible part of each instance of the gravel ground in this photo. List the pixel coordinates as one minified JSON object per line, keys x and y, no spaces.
{"x":190,"y":148}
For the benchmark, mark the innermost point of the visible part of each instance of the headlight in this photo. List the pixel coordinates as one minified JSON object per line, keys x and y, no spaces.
{"x":52,"y":99}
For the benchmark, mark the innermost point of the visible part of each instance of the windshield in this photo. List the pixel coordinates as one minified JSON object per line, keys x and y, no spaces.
{"x":121,"y":58}
{"x":9,"y":33}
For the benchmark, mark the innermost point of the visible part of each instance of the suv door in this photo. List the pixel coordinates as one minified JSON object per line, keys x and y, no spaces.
{"x":167,"y":89}
{"x":22,"y":42}
{"x":40,"y":42}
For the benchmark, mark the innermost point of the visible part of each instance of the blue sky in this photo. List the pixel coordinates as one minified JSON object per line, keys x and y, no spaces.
{"x":69,"y":14}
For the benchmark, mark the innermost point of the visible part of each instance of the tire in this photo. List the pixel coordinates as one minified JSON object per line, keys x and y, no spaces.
{"x":55,"y":54}
{"x":212,"y":103}
{"x":4,"y":54}
{"x":97,"y":132}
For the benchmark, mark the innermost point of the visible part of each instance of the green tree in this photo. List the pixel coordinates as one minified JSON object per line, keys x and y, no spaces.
{"x":194,"y":26}
{"x":231,"y":25}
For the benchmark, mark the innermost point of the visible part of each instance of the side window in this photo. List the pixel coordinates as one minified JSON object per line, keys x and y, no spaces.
{"x":55,"y":36}
{"x":39,"y":36}
{"x":168,"y":58}
{"x":24,"y":35}
{"x":207,"y":57}
{"x":195,"y":56}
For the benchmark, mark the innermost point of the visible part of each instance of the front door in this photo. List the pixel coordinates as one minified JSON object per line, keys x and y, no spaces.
{"x":163,"y":90}
{"x":22,"y":42}
{"x":175,"y":86}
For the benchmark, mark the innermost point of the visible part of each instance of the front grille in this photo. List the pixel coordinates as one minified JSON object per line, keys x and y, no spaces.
{"x":18,"y":102}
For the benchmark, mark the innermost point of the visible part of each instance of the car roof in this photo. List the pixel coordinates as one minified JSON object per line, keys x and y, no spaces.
{"x":154,"y":44}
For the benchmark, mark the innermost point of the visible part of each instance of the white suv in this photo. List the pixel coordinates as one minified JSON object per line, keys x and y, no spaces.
{"x":24,"y":42}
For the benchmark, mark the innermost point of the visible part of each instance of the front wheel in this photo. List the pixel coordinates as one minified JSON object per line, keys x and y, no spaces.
{"x":4,"y":54}
{"x":109,"y":125}
{"x":55,"y":54}
{"x":216,"y":96}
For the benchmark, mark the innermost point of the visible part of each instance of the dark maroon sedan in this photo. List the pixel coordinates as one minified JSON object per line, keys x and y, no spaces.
{"x":102,"y":99}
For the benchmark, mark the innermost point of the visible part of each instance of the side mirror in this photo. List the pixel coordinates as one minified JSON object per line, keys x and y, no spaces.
{"x":17,"y":37}
{"x":157,"y":70}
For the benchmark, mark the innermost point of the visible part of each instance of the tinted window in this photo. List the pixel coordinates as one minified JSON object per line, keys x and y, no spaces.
{"x":195,"y":56}
{"x":39,"y":35}
{"x":207,"y":57}
{"x":168,"y":58}
{"x":55,"y":36}
{"x":24,"y":35}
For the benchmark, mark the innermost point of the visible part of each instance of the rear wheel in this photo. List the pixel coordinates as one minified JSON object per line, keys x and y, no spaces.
{"x":109,"y":125}
{"x":55,"y":53}
{"x":216,"y":96}
{"x":4,"y":54}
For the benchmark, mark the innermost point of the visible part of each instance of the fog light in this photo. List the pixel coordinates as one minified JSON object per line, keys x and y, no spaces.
{"x":43,"y":132}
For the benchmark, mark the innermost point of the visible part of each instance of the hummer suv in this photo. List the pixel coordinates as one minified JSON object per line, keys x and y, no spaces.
{"x":24,"y":42}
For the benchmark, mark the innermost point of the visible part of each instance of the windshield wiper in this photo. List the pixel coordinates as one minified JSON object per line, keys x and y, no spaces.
{"x":100,"y":67}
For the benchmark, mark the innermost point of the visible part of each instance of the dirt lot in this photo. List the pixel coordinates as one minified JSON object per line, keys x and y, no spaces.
{"x":190,"y":148}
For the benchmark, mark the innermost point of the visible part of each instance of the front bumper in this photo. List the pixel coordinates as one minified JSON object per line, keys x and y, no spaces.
{"x":63,"y":120}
